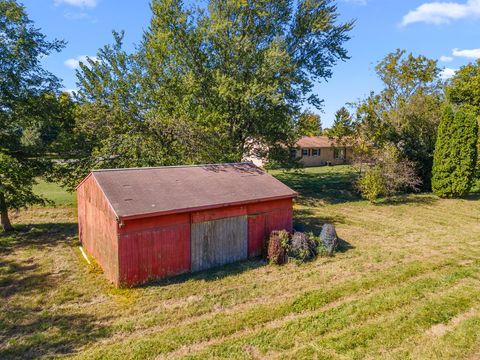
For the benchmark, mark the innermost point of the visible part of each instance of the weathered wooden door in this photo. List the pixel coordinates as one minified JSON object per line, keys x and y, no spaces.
{"x":218,"y":242}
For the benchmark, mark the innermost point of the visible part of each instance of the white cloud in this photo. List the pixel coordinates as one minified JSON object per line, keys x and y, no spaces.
{"x":79,"y":3}
{"x":467,"y":53}
{"x":74,"y":63}
{"x":447,"y":73}
{"x":444,"y":58}
{"x":70,"y":91}
{"x":442,"y":12}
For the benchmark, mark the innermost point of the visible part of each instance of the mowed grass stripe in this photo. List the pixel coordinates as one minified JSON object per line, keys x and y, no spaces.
{"x":380,"y":337}
{"x":461,"y":342}
{"x":198,"y":347}
{"x":372,"y":339}
{"x":158,"y":321}
{"x":307,"y":329}
{"x":222,"y":325}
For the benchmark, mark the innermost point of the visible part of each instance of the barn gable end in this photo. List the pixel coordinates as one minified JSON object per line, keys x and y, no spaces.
{"x":98,"y":227}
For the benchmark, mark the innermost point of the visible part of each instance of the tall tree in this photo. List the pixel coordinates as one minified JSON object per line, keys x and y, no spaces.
{"x":244,"y":67}
{"x":455,"y":153}
{"x":29,"y":104}
{"x":343,"y":128}
{"x":309,"y":124}
{"x":464,"y":89}
{"x":210,"y":85}
{"x":406,"y":113}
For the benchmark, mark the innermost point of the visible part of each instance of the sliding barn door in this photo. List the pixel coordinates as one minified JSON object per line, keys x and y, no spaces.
{"x":218,"y":242}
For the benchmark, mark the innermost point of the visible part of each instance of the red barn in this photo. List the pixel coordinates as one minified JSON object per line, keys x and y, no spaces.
{"x":150,"y":223}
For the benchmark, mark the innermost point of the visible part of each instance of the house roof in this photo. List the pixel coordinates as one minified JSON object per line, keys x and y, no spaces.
{"x":315,"y":142}
{"x":142,"y":192}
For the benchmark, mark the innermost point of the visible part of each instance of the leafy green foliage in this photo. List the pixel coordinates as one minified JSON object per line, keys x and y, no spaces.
{"x":33,"y":117}
{"x":464,"y":86}
{"x":389,"y":175}
{"x":455,"y":153}
{"x":343,"y":127}
{"x":372,"y":184}
{"x":207,"y":86}
{"x":406,"y":112}
{"x":309,"y":124}
{"x":16,"y":182}
{"x":464,"y":89}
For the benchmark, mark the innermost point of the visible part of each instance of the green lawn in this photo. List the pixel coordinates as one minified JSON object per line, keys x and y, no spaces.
{"x":405,"y":284}
{"x":55,"y":193}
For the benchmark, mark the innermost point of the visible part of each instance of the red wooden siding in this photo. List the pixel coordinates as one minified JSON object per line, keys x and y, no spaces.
{"x":265,"y":217}
{"x":256,"y":234}
{"x":134,"y":251}
{"x":97,"y":227}
{"x":219,"y":213}
{"x":154,"y":248}
{"x":279,"y":220}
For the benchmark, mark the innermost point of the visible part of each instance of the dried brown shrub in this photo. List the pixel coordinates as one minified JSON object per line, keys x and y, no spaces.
{"x":277,"y":245}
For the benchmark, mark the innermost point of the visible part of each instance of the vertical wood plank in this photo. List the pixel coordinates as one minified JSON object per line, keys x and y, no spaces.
{"x":219,"y":242}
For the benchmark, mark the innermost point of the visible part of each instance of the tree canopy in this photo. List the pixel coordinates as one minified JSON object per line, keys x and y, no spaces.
{"x":31,"y":110}
{"x":208,"y":84}
{"x":464,"y":86}
{"x":406,"y":113}
{"x":343,"y":128}
{"x":309,"y":124}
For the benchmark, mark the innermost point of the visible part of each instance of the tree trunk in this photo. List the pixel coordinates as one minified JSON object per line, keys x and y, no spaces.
{"x":7,"y":226}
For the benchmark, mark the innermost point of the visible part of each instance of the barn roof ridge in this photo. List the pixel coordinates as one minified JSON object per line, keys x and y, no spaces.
{"x":133,"y":192}
{"x":175,"y":166}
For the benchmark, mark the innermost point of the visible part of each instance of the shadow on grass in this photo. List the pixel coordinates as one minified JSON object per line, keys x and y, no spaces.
{"x":213,"y":274}
{"x":32,"y":292}
{"x":425,"y":199}
{"x":473,"y":196}
{"x":343,"y":246}
{"x":307,"y":221}
{"x":32,"y":333}
{"x":48,"y":234}
{"x":328,"y":187}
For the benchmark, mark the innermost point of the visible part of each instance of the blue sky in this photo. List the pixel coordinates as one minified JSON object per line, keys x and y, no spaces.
{"x":447,"y":31}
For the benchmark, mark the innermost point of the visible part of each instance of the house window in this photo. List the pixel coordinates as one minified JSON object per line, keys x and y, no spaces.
{"x":316,"y":152}
{"x":339,"y":154}
{"x":305,"y":152}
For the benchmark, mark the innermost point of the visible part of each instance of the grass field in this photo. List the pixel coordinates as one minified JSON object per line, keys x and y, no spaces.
{"x":405,"y":284}
{"x":56,"y":194}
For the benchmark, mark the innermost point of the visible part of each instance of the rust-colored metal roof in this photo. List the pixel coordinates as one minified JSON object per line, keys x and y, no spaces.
{"x":141,"y":192}
{"x":316,"y":142}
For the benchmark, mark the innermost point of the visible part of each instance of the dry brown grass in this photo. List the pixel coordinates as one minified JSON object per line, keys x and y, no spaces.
{"x":404,"y":284}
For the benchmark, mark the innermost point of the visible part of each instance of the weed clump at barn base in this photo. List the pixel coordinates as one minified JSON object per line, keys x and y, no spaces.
{"x":300,"y":247}
{"x":277,"y":246}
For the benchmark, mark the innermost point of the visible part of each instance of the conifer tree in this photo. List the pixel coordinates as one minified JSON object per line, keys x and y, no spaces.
{"x":455,"y":153}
